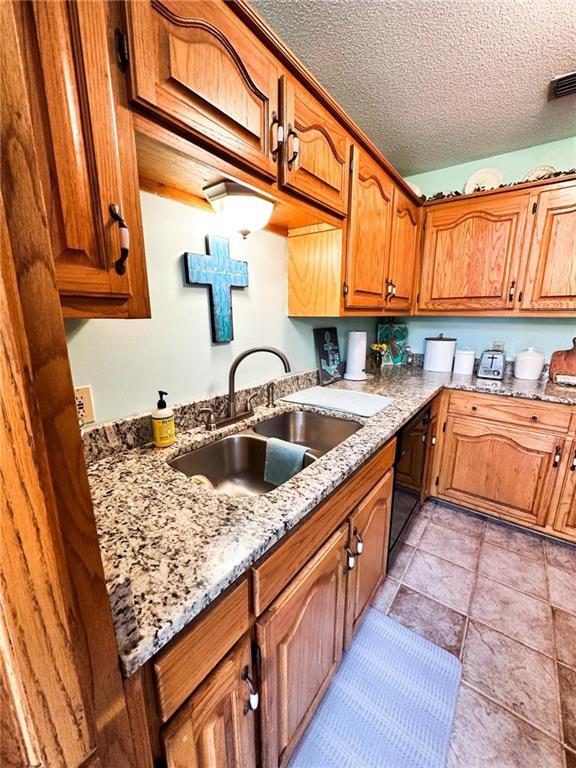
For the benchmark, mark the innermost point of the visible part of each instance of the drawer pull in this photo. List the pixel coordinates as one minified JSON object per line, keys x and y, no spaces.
{"x":295,"y":146}
{"x":279,"y":135}
{"x":351,"y":561}
{"x":512,"y":290}
{"x":533,"y":417}
{"x":120,"y":263}
{"x":253,"y":699}
{"x":359,"y":543}
{"x":557,"y":455}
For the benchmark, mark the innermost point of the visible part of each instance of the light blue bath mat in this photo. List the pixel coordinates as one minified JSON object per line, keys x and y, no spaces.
{"x":390,"y":705}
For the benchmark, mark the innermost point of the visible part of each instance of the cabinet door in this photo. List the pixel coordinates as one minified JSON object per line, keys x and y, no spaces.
{"x":550,"y":282}
{"x":566,"y":518}
{"x":369,"y":528}
{"x":403,"y":252}
{"x":412,"y":455}
{"x":195,"y":64}
{"x":506,"y":471}
{"x":215,"y":729}
{"x":369,"y":231}
{"x":472,"y":253}
{"x":316,"y":150}
{"x":87,"y":160}
{"x":301,"y":637}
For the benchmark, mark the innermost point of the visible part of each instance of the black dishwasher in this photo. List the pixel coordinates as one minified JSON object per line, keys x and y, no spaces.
{"x":408,"y":477}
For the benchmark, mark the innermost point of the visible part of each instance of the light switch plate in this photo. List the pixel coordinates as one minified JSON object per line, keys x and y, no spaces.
{"x":84,"y":404}
{"x":498,"y":345}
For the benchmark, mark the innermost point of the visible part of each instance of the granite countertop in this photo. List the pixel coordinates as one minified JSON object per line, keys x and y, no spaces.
{"x":170,"y":546}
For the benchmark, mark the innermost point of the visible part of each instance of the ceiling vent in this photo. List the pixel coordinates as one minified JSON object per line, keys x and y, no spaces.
{"x":563,"y":85}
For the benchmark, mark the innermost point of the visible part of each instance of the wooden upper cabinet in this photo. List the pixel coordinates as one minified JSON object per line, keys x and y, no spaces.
{"x":403,"y":252}
{"x":301,"y":637}
{"x":472,"y":251}
{"x":501,"y":470}
{"x":550,"y":282}
{"x":196,"y":65}
{"x":87,"y":159}
{"x":369,"y":231}
{"x":368,"y":538}
{"x":216,"y":726}
{"x":316,"y":151}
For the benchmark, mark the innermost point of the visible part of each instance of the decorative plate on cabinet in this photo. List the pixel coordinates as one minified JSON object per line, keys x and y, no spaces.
{"x":540,"y":172}
{"x":485,"y":178}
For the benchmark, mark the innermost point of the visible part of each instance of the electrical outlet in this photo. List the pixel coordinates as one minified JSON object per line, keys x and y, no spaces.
{"x":498,"y":345}
{"x":84,"y":404}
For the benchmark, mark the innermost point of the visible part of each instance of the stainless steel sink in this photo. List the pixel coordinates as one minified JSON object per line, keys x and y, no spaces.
{"x":234,"y":465}
{"x":318,"y":432}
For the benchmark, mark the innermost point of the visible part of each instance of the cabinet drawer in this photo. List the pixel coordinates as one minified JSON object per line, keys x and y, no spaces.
{"x":184,"y":664}
{"x":511,"y":411}
{"x":288,"y":558}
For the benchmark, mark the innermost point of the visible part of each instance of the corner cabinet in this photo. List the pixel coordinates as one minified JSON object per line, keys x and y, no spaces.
{"x":86,"y":148}
{"x":472,"y":251}
{"x":369,"y":234}
{"x":197,"y":67}
{"x":301,"y":638}
{"x":550,"y":283}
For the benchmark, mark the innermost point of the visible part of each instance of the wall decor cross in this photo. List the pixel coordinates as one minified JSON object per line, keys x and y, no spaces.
{"x":220,"y":273}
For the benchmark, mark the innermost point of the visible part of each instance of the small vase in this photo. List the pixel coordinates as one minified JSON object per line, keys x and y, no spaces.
{"x":377,"y":360}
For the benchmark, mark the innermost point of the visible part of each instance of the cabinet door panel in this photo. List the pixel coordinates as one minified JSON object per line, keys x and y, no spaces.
{"x":320,"y":171}
{"x":471,"y":253}
{"x":301,"y":638}
{"x":403,"y":252}
{"x":197,"y":65}
{"x":87,"y":149}
{"x":369,"y":528}
{"x":566,"y":517}
{"x":551,"y":269}
{"x":507,"y":471}
{"x":369,"y":231}
{"x":215,"y":729}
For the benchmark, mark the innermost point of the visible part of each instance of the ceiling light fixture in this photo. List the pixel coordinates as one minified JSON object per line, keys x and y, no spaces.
{"x":242,"y":209}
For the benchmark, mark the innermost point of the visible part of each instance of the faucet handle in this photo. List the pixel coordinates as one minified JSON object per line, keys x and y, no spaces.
{"x":270,"y":391}
{"x":211,"y":419}
{"x":250,"y":401}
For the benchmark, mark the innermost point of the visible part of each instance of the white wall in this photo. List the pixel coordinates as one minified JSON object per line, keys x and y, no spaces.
{"x":127,"y":361}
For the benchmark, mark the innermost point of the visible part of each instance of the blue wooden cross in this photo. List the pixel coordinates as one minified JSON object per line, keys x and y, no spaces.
{"x":220,"y":273}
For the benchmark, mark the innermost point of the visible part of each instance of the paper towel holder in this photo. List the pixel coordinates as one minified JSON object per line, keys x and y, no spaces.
{"x":356,"y":356}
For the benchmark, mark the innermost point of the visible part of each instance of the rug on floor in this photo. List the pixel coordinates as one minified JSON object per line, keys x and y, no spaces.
{"x":390,"y":704}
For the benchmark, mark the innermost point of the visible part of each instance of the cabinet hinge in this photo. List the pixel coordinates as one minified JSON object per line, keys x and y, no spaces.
{"x":122,"y":53}
{"x":534,"y":207}
{"x":444,"y":426}
{"x":345,"y":289}
{"x":437,"y":480}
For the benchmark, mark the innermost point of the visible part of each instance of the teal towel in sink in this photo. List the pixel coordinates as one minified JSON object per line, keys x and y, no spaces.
{"x":283,"y":460}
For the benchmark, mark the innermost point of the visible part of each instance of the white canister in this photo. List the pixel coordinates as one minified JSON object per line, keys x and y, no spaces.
{"x":356,"y":356}
{"x":464,"y":361}
{"x":529,"y":364}
{"x":439,"y":354}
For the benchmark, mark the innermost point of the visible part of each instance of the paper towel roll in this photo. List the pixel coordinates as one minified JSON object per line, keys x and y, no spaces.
{"x":356,"y":356}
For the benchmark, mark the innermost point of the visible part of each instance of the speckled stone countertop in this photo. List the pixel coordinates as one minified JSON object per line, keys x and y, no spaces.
{"x":170,"y":547}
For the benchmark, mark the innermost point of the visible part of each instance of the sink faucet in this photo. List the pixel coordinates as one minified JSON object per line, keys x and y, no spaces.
{"x":234,"y":367}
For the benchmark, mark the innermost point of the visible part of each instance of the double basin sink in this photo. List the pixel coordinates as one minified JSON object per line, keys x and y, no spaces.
{"x":235,"y":464}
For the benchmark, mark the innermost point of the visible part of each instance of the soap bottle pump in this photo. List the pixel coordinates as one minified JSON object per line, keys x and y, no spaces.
{"x":163,"y":429}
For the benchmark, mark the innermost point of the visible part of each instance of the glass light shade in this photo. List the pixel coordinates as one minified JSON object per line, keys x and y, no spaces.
{"x":241,"y":209}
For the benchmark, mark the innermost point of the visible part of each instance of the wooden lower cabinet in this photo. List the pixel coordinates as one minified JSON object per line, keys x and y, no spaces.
{"x":369,"y":528}
{"x":215,"y":728}
{"x":300,"y":638}
{"x":565,"y":521}
{"x":501,"y":470}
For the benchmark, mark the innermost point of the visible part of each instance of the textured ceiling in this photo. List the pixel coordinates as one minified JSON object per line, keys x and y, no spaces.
{"x":438,"y":82}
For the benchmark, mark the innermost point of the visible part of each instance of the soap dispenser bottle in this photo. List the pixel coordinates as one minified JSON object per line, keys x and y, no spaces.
{"x":163,"y":429}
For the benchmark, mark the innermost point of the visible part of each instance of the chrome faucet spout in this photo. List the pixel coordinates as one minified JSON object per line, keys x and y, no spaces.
{"x":234,"y":368}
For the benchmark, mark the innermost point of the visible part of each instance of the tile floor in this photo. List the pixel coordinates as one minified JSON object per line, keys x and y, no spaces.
{"x":503,"y":601}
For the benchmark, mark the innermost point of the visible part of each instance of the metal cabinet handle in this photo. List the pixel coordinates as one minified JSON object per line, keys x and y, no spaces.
{"x":557,"y":455}
{"x":279,"y":135}
{"x":512,"y":290}
{"x":295,"y":145}
{"x":573,"y":465}
{"x":120,"y":263}
{"x":253,"y":699}
{"x":359,"y":542}
{"x":433,"y":440}
{"x":351,"y":561}
{"x":393,"y":289}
